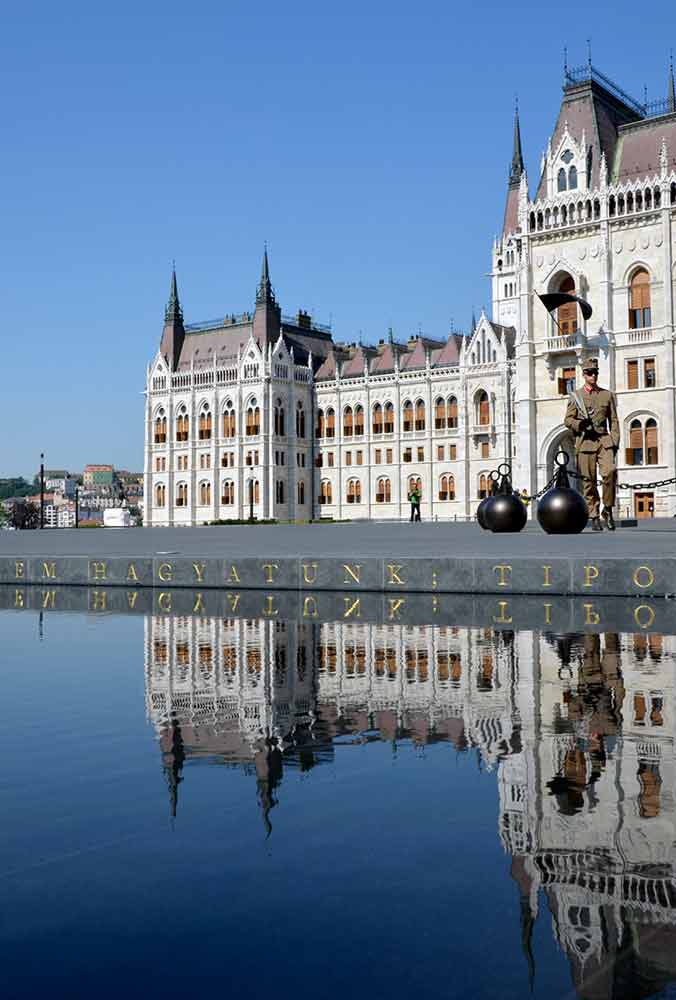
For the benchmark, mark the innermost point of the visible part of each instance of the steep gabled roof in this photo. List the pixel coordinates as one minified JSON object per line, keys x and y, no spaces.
{"x":449,"y":354}
{"x":327,"y":369}
{"x":415,"y":358}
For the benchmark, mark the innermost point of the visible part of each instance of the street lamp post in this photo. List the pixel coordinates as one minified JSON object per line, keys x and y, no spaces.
{"x":251,"y":500}
{"x":42,"y":490}
{"x":77,"y":506}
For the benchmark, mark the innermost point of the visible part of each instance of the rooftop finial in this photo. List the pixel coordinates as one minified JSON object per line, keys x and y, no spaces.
{"x":565,"y":61}
{"x":671,"y":91}
{"x":516,"y":168}
{"x":589,"y":56}
{"x":173,"y":310}
{"x":264,"y":292}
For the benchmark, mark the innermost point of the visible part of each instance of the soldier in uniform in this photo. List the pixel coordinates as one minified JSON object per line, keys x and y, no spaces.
{"x":592,"y":417}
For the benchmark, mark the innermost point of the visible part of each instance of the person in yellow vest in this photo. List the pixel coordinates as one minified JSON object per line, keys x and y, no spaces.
{"x":591,"y":415}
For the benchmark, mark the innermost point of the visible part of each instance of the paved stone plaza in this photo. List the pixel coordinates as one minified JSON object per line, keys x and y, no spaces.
{"x":394,"y":558}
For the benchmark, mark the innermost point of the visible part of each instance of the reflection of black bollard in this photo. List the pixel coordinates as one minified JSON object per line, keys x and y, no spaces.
{"x":494,"y":477}
{"x":562,"y":510}
{"x":506,"y":511}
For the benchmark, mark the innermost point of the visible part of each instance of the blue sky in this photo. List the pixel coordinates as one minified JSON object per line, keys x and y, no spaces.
{"x":367,"y":143}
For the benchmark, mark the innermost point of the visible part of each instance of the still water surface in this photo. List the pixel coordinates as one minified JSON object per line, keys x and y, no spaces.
{"x":256,"y":808}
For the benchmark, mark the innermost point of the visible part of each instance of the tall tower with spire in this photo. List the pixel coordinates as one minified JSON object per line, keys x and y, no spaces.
{"x":173,"y":334}
{"x":516,"y":169}
{"x":268,"y":316}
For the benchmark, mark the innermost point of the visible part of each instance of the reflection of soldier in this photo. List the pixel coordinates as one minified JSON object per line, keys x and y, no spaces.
{"x":592,"y":417}
{"x":269,"y":770}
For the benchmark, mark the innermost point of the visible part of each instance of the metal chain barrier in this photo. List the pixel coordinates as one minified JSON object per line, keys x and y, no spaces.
{"x":620,"y":486}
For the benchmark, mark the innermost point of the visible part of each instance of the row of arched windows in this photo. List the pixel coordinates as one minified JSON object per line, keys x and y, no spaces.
{"x":205,"y":425}
{"x":621,"y":204}
{"x":384,"y":489}
{"x":227,"y":493}
{"x":412,"y":414}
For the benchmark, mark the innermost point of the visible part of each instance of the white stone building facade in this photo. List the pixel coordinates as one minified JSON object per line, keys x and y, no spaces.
{"x":265,"y":414}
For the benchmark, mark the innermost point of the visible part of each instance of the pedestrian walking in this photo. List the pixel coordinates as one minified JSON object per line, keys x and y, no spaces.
{"x":414,"y":499}
{"x":591,"y":415}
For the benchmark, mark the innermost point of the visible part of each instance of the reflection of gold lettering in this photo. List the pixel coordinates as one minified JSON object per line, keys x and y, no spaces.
{"x":268,"y":608}
{"x":199,"y":571}
{"x":49,"y":570}
{"x":19,"y":569}
{"x":395,"y":604}
{"x":18,"y":599}
{"x":352,"y":609}
{"x":165,"y":572}
{"x":310,"y":607}
{"x":394,"y":574}
{"x":48,"y":598}
{"x":98,"y":570}
{"x":99,"y":600}
{"x":233,"y":576}
{"x":131,"y":599}
{"x":164,"y":601}
{"x":270,"y":569}
{"x":548,"y":614}
{"x":502,"y":569}
{"x":503,"y":620}
{"x":353,"y":571}
{"x":591,"y":617}
{"x":198,"y":606}
{"x":306,"y":567}
{"x":547,"y":582}
{"x":435,"y":602}
{"x":233,"y":601}
{"x":644,"y":621}
{"x":643,"y":577}
{"x":131,"y":573}
{"x":590,"y":573}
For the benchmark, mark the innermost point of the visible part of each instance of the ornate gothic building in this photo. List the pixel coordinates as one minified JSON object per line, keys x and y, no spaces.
{"x":265,"y":413}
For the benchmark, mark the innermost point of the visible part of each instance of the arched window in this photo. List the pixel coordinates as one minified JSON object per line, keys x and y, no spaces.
{"x":204,"y":429}
{"x":301,"y":493}
{"x":359,"y":420}
{"x":572,"y":178}
{"x":377,"y":419}
{"x":611,"y":206}
{"x":229,"y":422}
{"x":253,"y":486}
{"x":650,"y":782}
{"x":160,"y":495}
{"x":483,"y":408}
{"x":347,"y":422}
{"x":482,"y":490}
{"x":657,"y":198}
{"x":353,"y":491}
{"x":531,"y":222}
{"x":567,"y":314}
{"x":300,"y":420}
{"x":160,"y":428}
{"x":439,"y":414}
{"x":620,"y":204}
{"x":205,"y":494}
{"x":228,"y":493}
{"x":182,"y":426}
{"x":630,"y":201}
{"x":279,"y":419}
{"x":447,"y":488}
{"x":651,"y":455}
{"x":639,"y":300}
{"x":407,"y":414}
{"x":561,"y":180}
{"x":673,"y":193}
{"x":279,"y":491}
{"x":253,"y":419}
{"x":415,"y":482}
{"x":389,"y":418}
{"x":321,"y":424}
{"x":182,"y":495}
{"x":325,"y":492}
{"x":639,"y":201}
{"x":330,"y":423}
{"x":634,"y":452}
{"x":648,"y":198}
{"x":383,"y":490}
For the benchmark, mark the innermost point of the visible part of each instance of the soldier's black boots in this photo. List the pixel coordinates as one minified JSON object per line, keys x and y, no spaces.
{"x":608,"y":518}
{"x":596,"y":524}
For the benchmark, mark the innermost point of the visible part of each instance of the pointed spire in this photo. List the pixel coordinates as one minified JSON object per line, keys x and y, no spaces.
{"x":671,"y":91}
{"x":516,"y":168}
{"x":473,"y":320}
{"x":264,"y":292}
{"x":173,"y":311}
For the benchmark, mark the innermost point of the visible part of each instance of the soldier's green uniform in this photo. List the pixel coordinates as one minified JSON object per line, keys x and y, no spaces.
{"x":592,"y":417}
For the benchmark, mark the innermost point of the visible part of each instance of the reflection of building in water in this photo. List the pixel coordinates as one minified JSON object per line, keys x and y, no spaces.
{"x":580,"y":729}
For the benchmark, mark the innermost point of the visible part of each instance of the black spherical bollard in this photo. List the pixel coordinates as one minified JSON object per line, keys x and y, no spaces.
{"x":562,"y":511}
{"x":481,"y":509}
{"x":506,"y":511}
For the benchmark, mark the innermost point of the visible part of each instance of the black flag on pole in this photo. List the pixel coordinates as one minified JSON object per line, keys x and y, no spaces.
{"x":552,"y":301}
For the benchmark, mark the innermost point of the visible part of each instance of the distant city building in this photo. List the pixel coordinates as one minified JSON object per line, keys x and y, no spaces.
{"x":61,"y":482}
{"x":265,"y":412}
{"x":98,"y":475}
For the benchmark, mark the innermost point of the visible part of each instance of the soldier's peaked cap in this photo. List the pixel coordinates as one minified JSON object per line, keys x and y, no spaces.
{"x":590,"y":362}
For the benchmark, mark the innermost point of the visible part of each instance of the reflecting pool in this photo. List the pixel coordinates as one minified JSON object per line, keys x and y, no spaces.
{"x":253,"y":807}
